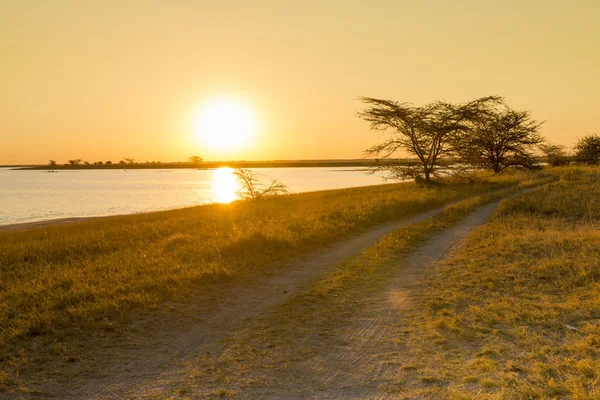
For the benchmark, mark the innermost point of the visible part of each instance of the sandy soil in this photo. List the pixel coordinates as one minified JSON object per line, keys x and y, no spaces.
{"x":40,"y":224}
{"x":142,"y":363}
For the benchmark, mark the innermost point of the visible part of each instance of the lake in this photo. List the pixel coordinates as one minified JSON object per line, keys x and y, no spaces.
{"x":28,"y":196}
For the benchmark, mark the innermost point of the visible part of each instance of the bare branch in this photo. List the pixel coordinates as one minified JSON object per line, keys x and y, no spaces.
{"x":253,"y":189}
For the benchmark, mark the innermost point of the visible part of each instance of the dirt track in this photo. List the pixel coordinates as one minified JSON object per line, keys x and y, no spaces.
{"x":360,"y":359}
{"x":351,"y":370}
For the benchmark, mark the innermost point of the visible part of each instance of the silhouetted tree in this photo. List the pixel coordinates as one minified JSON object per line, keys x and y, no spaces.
{"x":196,"y":160}
{"x":500,"y":138}
{"x":425,"y":132}
{"x":108,"y":163}
{"x":122,"y":162}
{"x":555,"y":154}
{"x":130,"y":160}
{"x":52,"y":162}
{"x":75,"y":161}
{"x":253,"y":189}
{"x":587,"y":149}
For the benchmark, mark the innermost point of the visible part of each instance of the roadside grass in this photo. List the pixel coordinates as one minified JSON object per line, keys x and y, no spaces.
{"x":60,"y":284}
{"x":515,"y":313}
{"x":306,"y":323}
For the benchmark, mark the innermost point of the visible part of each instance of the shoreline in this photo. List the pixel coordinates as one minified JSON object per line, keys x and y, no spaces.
{"x":206,"y":165}
{"x":24,"y":226}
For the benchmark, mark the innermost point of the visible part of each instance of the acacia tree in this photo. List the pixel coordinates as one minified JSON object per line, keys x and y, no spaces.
{"x":500,"y":138}
{"x":587,"y":149}
{"x":75,"y":161}
{"x":426,"y":132}
{"x":195,"y":160}
{"x":556,"y":154}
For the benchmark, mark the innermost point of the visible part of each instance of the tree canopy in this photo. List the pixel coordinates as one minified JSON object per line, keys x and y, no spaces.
{"x":500,"y":138}
{"x":426,"y":132}
{"x":587,"y":149}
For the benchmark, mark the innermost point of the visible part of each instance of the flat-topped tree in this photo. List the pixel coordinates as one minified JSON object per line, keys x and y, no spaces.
{"x":426,"y":132}
{"x":501,"y":138}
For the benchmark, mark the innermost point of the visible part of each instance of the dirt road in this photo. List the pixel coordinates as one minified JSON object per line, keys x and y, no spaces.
{"x":349,"y":366}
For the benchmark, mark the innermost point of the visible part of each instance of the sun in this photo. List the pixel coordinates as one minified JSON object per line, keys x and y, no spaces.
{"x":224,"y":124}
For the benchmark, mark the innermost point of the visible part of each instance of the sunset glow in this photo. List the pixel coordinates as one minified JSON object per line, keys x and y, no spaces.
{"x":225,"y":185}
{"x":224,"y":124}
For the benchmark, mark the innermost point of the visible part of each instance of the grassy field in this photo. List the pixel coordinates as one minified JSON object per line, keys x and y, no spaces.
{"x":61,"y":283}
{"x":285,"y":338}
{"x":516,"y":312}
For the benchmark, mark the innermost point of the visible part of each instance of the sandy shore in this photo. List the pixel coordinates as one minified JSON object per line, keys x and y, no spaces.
{"x":40,"y":224}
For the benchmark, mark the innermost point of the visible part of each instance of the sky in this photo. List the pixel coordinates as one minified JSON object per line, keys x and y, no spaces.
{"x":109,"y":79}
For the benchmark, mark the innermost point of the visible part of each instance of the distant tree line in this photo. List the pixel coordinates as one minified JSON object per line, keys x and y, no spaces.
{"x":125,"y":161}
{"x":450,"y":139}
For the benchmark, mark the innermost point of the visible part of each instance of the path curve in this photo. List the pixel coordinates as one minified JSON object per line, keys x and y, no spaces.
{"x":351,"y":364}
{"x":164,"y":354}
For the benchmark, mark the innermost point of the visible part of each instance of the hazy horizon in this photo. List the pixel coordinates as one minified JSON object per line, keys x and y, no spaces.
{"x":108,"y":80}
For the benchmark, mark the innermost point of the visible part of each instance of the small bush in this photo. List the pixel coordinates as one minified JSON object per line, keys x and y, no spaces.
{"x":253,"y":189}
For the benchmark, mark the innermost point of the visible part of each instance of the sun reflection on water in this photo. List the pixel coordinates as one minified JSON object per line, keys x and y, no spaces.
{"x":225,"y":185}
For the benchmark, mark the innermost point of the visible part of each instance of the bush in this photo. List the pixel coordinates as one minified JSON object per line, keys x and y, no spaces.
{"x":587,"y":150}
{"x":253,"y":189}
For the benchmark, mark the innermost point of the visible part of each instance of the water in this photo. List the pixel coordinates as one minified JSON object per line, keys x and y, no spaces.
{"x":27,"y":196}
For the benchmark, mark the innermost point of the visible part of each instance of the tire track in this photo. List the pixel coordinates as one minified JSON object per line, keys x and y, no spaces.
{"x":375,"y":331}
{"x":145,"y":368}
{"x":362,"y":358}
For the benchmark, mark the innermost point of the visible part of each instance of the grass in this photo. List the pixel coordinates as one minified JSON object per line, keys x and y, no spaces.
{"x":516,"y":312}
{"x":306,"y":324}
{"x":62,"y":283}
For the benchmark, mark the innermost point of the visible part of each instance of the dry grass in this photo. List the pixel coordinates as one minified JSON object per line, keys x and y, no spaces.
{"x":516,"y":312}
{"x":272,"y":350}
{"x":63,"y":283}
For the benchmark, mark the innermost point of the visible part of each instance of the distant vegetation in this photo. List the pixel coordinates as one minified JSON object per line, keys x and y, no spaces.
{"x":447,"y":139}
{"x":359,"y":163}
{"x":196,"y":160}
{"x":587,"y":150}
{"x":556,"y":155}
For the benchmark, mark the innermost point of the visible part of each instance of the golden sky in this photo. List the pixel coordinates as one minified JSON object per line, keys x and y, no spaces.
{"x":109,"y":79}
